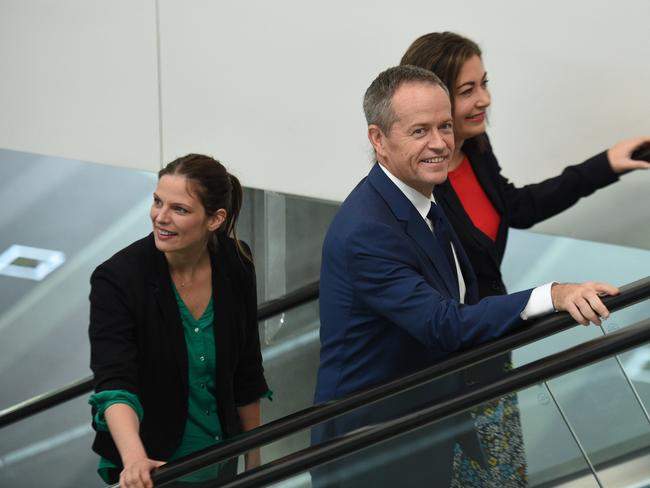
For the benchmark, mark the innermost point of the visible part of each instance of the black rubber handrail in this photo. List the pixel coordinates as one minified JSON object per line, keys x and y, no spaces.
{"x":81,"y":386}
{"x":523,"y":377}
{"x":630,"y":294}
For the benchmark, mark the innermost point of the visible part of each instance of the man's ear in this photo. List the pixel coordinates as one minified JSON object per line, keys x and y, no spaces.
{"x":217,"y":219}
{"x":377,"y":139}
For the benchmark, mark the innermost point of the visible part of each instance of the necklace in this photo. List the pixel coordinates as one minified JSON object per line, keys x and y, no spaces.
{"x":184,"y":283}
{"x":187,"y":282}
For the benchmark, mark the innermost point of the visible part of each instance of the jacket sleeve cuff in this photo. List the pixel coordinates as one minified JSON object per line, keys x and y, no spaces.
{"x":268,"y":394}
{"x":252,"y":391}
{"x":599,"y":170}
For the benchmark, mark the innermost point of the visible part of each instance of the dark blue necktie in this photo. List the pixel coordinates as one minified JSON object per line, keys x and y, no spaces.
{"x":443,"y":234}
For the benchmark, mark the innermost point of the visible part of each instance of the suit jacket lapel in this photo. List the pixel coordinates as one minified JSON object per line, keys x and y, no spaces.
{"x":487,"y":177}
{"x":469,"y":276}
{"x":161,"y":285}
{"x":419,"y":231}
{"x":484,"y":174}
{"x":414,"y":226}
{"x":453,"y":208}
{"x":223,"y":320}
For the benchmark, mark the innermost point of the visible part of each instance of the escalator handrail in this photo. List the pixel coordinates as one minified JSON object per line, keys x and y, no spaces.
{"x":81,"y":386}
{"x":630,"y":294}
{"x":525,"y":376}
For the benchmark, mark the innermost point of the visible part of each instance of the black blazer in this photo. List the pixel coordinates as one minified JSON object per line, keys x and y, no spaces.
{"x":137,"y":342}
{"x":520,"y":208}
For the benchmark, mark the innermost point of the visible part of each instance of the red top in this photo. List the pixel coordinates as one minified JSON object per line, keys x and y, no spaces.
{"x":475,"y":202}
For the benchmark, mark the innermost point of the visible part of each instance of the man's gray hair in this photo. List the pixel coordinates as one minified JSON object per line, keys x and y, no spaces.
{"x":377,"y":100}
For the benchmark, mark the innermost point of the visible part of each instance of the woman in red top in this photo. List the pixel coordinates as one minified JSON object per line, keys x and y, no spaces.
{"x":478,"y":200}
{"x":482,"y":205}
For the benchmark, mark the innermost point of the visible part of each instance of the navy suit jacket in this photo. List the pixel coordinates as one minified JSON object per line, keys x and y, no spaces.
{"x":389,"y":302}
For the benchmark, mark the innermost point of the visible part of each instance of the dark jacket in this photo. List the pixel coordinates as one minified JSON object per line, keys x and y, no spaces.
{"x":388,"y":298}
{"x":137,"y":341}
{"x":388,"y":307}
{"x":520,"y":208}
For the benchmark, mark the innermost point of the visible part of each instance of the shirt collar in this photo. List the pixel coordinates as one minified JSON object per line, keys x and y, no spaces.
{"x":421,"y":203}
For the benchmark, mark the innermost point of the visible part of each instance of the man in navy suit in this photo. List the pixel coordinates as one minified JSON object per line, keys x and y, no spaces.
{"x":394,"y":296}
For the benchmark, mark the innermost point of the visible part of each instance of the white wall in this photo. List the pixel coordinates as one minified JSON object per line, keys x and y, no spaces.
{"x":78,"y":80}
{"x":274,"y":88}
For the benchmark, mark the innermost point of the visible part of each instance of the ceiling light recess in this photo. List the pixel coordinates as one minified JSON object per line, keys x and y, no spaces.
{"x":31,"y":263}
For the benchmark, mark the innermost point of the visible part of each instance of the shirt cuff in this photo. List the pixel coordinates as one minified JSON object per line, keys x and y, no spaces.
{"x":104,"y":399}
{"x":540,"y":302}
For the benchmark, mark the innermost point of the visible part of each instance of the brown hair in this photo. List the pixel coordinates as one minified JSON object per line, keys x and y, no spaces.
{"x":444,"y":53}
{"x":215,"y":189}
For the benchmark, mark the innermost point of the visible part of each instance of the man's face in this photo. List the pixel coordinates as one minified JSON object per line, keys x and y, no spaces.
{"x":419,"y":145}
